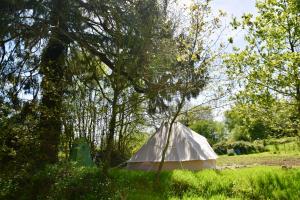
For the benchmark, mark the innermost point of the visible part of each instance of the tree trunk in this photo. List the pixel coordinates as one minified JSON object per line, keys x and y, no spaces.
{"x":52,"y":68}
{"x":121,"y":128}
{"x":111,"y":131}
{"x":298,"y":107}
{"x":168,"y":140}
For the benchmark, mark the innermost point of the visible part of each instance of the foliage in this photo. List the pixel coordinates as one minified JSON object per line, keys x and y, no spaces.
{"x":244,"y":123}
{"x":195,"y":114}
{"x":63,"y":181}
{"x":283,"y":140}
{"x":39,"y":62}
{"x":212,"y":130}
{"x":92,"y":68}
{"x":267,"y":69}
{"x":239,"y":147}
{"x":18,"y":138}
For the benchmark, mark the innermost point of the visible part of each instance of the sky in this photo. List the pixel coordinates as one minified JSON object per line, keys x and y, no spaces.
{"x":233,"y":8}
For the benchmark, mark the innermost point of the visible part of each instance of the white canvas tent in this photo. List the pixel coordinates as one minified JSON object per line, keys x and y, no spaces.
{"x":187,"y":150}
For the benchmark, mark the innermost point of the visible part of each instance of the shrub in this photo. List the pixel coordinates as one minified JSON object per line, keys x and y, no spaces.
{"x":230,"y":152}
{"x":220,"y":148}
{"x":63,"y":181}
{"x":239,"y":147}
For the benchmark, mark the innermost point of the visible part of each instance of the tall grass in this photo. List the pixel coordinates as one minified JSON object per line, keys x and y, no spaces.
{"x":247,"y":183}
{"x":71,"y":182}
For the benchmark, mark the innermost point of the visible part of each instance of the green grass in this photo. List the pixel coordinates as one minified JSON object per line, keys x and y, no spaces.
{"x":284,"y":148}
{"x":246,"y":183}
{"x":71,"y":182}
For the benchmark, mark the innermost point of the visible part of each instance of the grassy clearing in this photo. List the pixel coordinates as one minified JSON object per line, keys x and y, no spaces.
{"x":285,"y":151}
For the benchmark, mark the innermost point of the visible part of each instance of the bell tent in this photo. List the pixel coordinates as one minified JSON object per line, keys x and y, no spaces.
{"x":186,"y":150}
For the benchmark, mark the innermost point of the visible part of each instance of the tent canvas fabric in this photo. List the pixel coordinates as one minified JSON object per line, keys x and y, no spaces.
{"x":81,"y":153}
{"x":187,"y":150}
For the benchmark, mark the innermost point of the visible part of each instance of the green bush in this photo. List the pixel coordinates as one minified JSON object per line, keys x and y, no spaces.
{"x":220,"y":148}
{"x":230,"y":152}
{"x":64,"y":181}
{"x":239,"y":147}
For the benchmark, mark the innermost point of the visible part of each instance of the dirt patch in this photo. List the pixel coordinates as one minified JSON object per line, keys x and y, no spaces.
{"x":286,"y":162}
{"x":241,"y":161}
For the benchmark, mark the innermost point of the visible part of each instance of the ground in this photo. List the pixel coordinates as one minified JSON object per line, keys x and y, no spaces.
{"x":260,"y":159}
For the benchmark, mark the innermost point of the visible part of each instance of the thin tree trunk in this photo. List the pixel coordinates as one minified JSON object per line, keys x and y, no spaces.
{"x":168,"y":140}
{"x":111,"y":131}
{"x":94,"y":125}
{"x":298,"y":108}
{"x":121,"y":128}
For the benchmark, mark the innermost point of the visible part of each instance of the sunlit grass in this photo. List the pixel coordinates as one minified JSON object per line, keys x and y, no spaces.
{"x":247,"y":183}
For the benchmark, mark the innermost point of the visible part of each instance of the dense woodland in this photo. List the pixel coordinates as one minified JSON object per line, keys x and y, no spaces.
{"x":111,"y":71}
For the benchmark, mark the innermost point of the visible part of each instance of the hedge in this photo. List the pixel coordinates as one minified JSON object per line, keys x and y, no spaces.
{"x":239,"y":147}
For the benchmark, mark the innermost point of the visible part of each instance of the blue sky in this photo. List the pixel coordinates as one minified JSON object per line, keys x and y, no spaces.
{"x":234,"y":8}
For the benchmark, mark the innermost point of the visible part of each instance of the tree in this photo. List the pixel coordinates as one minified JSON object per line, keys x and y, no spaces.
{"x":246,"y":122}
{"x":124,"y":36}
{"x":53,"y":69}
{"x":194,"y":114}
{"x":212,"y":130}
{"x":188,"y":74}
{"x":268,"y":67}
{"x":22,"y":41}
{"x":120,"y":34}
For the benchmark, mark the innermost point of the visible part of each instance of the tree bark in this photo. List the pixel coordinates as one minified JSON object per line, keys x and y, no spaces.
{"x":298,"y":107}
{"x":121,"y":128}
{"x":111,"y":130}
